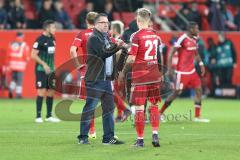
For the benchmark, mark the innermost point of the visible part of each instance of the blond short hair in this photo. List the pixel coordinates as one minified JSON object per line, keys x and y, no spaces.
{"x":144,"y":14}
{"x":91,"y":17}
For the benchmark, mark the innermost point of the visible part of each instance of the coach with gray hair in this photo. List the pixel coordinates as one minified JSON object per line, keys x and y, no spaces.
{"x":98,"y":81}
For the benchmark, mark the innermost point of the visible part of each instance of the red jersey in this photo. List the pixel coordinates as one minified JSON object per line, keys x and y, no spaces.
{"x":18,"y":55}
{"x":80,"y":41}
{"x":145,"y":46}
{"x":187,"y":49}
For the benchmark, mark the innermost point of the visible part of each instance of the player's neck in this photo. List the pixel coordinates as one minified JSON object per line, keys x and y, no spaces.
{"x":142,"y":24}
{"x":46,"y":34}
{"x":143,"y":27}
{"x":90,"y":26}
{"x":190,"y":35}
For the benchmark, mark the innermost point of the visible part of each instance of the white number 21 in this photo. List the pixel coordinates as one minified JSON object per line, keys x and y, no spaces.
{"x":150,"y":54}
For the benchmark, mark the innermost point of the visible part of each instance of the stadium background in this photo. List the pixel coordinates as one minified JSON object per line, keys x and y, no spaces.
{"x":64,"y":40}
{"x":21,"y":138}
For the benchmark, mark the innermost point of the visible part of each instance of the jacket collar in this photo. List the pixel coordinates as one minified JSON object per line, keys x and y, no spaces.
{"x":98,"y":33}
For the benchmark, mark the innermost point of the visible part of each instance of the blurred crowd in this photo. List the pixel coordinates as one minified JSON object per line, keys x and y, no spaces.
{"x":12,"y":12}
{"x":220,"y":15}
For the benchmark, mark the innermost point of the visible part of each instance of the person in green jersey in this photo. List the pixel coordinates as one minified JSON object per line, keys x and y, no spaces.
{"x":43,"y":54}
{"x":226,"y":59}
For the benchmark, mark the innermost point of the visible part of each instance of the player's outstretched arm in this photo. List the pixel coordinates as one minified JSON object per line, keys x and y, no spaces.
{"x":101,"y":51}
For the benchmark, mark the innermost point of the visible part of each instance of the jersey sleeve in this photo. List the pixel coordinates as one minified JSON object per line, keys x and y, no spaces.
{"x":179,"y":42}
{"x":77,"y":42}
{"x":38,"y":44}
{"x":134,"y":40}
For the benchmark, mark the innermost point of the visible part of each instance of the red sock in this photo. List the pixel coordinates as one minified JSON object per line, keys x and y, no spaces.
{"x":120,"y":112}
{"x":92,"y":126}
{"x":164,"y":107}
{"x":154,"y":118}
{"x":139,"y":122}
{"x":197,"y":110}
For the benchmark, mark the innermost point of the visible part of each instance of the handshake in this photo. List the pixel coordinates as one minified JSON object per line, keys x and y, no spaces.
{"x":122,"y":44}
{"x":115,"y":47}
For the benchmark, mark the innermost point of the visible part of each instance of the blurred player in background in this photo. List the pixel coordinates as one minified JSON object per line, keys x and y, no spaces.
{"x":146,"y":77}
{"x":80,"y":42}
{"x":187,"y":77}
{"x":117,"y":28}
{"x":43,"y":53}
{"x":18,"y":56}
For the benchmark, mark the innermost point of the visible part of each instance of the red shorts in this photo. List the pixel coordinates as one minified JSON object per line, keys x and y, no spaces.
{"x":187,"y":81}
{"x":82,"y":90}
{"x":140,"y":93}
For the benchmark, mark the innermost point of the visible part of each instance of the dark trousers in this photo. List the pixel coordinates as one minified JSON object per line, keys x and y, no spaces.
{"x":17,"y":76}
{"x":226,"y":76}
{"x":99,"y":90}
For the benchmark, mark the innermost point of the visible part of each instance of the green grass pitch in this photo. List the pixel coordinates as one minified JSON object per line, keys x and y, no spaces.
{"x":22,"y":139}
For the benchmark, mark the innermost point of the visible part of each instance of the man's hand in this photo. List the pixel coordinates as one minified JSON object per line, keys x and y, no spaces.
{"x":202,"y":70}
{"x":47,"y":69}
{"x":121,"y":43}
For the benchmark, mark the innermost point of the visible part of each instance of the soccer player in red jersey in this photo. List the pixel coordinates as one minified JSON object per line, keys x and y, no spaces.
{"x":146,"y":77}
{"x":187,"y":77}
{"x":80,"y":42}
